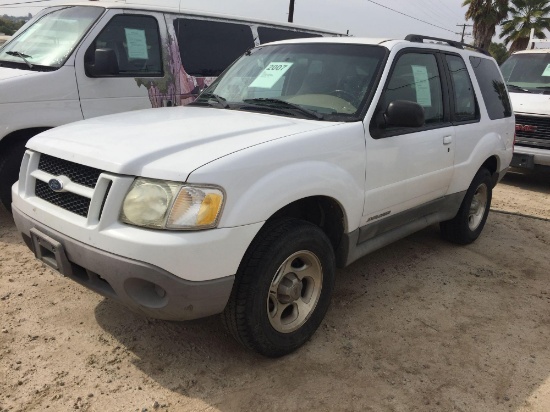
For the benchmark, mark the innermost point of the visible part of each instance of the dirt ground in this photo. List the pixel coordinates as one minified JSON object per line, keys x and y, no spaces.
{"x":421,"y":325}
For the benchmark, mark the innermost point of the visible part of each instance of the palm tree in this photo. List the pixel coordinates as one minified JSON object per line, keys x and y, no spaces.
{"x":524,"y":16}
{"x":486,"y":14}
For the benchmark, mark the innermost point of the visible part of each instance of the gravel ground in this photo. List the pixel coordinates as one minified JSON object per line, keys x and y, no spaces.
{"x":421,"y":325}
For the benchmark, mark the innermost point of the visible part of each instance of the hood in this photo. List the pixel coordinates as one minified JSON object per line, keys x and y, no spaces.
{"x":7,"y":73}
{"x":530,"y":103}
{"x":166,"y":143}
{"x":23,"y":86}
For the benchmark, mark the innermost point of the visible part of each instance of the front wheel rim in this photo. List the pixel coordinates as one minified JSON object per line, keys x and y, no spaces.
{"x":294,"y":291}
{"x":478,"y":207}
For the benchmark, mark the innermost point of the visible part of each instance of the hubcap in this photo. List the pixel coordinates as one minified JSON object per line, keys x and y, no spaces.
{"x":478,"y":207}
{"x":294,"y":291}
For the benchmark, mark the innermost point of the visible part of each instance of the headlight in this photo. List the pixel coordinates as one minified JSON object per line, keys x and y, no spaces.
{"x":170,"y":205}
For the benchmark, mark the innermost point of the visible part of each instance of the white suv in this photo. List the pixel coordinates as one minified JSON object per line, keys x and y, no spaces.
{"x":302,"y":157}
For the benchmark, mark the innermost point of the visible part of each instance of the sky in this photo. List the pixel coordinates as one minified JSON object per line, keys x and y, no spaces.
{"x":363,"y":18}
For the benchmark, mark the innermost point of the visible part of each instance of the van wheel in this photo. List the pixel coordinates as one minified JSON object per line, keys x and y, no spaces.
{"x":10,"y":163}
{"x":467,"y":225}
{"x":282,"y":289}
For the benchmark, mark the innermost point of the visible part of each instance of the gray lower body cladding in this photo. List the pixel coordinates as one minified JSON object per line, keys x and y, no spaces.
{"x":141,"y":287}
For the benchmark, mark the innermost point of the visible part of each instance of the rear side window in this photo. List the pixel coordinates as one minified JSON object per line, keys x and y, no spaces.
{"x":208,"y":47}
{"x":268,"y":34}
{"x":465,"y":106}
{"x":492,"y":88}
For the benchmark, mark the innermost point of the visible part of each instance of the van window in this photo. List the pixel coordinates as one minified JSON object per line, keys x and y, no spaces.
{"x":208,"y":47}
{"x":530,"y":72}
{"x":50,"y":40}
{"x":465,"y":105}
{"x":492,"y":88}
{"x":135,"y":41}
{"x":269,"y":34}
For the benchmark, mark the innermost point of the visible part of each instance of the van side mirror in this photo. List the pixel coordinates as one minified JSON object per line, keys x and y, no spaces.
{"x":404,"y":113}
{"x":106,"y":63}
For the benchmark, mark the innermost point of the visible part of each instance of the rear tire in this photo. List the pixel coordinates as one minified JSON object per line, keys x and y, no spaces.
{"x":10,"y":164}
{"x":282,"y":289}
{"x":468,"y":223}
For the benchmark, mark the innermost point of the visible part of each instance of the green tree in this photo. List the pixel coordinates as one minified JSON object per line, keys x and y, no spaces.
{"x":486,"y":15}
{"x":524,"y":16}
{"x":499,"y":52}
{"x":8,"y":26}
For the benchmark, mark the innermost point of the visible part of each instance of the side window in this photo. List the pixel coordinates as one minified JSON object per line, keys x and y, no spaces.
{"x":415,"y":77}
{"x":131,"y":44}
{"x":465,"y":105}
{"x":208,"y":47}
{"x":492,"y":88}
{"x":268,"y":34}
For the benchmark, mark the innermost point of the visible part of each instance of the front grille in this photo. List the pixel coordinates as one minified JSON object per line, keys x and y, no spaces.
{"x":69,"y":201}
{"x":83,"y":175}
{"x":533,"y":131}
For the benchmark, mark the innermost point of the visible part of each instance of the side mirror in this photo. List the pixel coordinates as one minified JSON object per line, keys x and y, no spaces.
{"x":404,"y":113}
{"x":106,"y":63}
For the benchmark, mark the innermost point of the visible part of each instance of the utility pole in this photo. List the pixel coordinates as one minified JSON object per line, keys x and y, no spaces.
{"x":463,"y":30}
{"x":291,"y":11}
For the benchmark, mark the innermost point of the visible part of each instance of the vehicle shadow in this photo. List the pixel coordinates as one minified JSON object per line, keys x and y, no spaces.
{"x":534,"y":181}
{"x":8,"y":231}
{"x":420,"y":325}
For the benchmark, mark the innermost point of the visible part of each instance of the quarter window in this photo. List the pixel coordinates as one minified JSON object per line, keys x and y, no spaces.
{"x":415,"y":77}
{"x":208,"y":47}
{"x":465,"y":107}
{"x":492,"y":88}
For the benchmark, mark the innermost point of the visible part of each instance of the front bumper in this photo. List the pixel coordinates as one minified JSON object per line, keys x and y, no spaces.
{"x":140,"y":286}
{"x":531,"y":158}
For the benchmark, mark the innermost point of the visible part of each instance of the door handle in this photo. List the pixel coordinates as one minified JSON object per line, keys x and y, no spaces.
{"x":447,"y":140}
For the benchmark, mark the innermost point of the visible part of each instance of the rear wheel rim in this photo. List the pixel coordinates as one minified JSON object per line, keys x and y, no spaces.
{"x":294,"y":291}
{"x":478,"y":206}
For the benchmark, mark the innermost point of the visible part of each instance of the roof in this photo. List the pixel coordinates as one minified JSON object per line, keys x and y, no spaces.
{"x":129,"y":5}
{"x":531,"y":51}
{"x":386,"y":42}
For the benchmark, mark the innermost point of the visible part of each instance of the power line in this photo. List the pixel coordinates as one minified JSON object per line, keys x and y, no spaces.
{"x":436,"y":12}
{"x":423,"y":21}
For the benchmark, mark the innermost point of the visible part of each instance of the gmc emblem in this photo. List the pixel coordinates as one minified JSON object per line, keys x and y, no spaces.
{"x":525,"y":128}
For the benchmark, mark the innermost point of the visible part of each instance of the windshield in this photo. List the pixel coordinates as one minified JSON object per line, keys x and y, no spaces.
{"x":50,"y":40}
{"x":320,"y":81}
{"x":527,"y":73}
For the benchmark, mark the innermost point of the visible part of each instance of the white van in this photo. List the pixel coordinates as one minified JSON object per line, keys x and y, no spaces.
{"x":527,"y":75}
{"x":82,"y":60}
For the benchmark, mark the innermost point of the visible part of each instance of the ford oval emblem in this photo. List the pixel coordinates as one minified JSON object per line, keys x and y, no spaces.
{"x":56,"y":185}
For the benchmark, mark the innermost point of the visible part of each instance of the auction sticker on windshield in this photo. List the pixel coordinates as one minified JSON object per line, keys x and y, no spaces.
{"x":546,"y":71}
{"x":271,"y":75}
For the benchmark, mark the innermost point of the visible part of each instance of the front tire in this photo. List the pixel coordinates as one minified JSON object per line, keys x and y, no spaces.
{"x":282,"y":289}
{"x":10,"y":164}
{"x":467,"y":225}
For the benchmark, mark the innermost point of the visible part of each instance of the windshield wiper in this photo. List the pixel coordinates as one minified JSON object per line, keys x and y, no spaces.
{"x":287,"y":105}
{"x":22,"y":56}
{"x":543,"y":87}
{"x":514,"y":87}
{"x":221,"y":100}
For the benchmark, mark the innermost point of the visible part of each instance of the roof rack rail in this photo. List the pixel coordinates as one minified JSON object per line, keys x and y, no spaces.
{"x":418,"y":38}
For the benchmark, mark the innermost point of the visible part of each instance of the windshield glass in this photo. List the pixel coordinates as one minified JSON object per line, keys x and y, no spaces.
{"x":50,"y":40}
{"x":530,"y":72}
{"x":312,"y":80}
